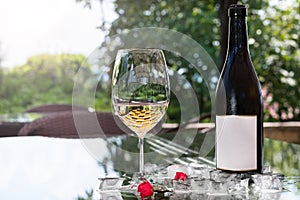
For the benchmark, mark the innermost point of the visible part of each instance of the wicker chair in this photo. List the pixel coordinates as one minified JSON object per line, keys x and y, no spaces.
{"x":9,"y":129}
{"x":53,"y":108}
{"x":88,"y":125}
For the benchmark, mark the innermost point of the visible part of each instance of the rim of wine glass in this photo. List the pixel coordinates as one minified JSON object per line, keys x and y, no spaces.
{"x":139,"y":49}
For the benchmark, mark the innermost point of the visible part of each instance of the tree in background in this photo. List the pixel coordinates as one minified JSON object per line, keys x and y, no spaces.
{"x":273,"y":41}
{"x":275,"y":50}
{"x":43,"y":79}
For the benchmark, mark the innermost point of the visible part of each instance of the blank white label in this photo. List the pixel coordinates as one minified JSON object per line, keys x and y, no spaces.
{"x":236,"y":142}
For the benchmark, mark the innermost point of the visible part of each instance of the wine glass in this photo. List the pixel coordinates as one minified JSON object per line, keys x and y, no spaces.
{"x":140,"y":91}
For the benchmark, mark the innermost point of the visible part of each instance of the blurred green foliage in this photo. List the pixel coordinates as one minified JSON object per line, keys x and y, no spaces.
{"x":273,"y":40}
{"x":283,"y":157}
{"x":43,"y":79}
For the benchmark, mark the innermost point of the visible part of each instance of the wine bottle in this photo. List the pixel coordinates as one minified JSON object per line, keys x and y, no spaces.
{"x":239,"y":103}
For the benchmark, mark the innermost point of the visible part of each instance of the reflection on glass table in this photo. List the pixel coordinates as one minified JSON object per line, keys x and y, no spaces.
{"x":282,"y":157}
{"x":45,"y":168}
{"x":51,"y":168}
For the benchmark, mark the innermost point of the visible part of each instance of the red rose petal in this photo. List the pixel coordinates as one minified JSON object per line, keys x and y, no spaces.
{"x":180,"y":176}
{"x":145,"y":189}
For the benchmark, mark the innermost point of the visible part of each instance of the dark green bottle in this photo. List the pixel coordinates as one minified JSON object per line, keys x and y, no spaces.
{"x":239,"y":103}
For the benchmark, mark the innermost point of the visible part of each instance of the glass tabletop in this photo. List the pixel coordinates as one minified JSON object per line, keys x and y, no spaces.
{"x":37,"y":167}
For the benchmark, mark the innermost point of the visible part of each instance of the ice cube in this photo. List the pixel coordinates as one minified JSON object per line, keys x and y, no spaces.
{"x":179,"y":196}
{"x":111,"y":196}
{"x":217,"y":188}
{"x":200,"y":172}
{"x":150,"y":168}
{"x":265,"y":183}
{"x":196,"y":195}
{"x":238,"y":186}
{"x":110,"y":183}
{"x":180,"y":186}
{"x":200,"y":185}
{"x":172,"y":169}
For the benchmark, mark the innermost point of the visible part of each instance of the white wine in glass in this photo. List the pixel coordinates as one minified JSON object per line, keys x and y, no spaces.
{"x":140,"y":91}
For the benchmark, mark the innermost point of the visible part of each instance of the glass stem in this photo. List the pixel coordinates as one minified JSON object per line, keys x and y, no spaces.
{"x":141,"y":146}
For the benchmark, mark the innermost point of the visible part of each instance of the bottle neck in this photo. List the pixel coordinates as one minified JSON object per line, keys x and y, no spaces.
{"x":238,"y":33}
